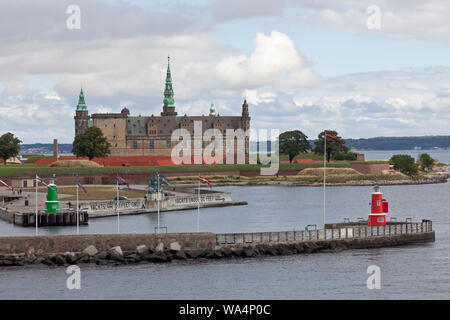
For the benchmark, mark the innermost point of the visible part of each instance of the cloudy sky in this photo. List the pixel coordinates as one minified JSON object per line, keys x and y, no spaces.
{"x":301,"y":64}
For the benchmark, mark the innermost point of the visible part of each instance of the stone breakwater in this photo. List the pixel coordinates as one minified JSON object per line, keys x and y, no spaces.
{"x":163,"y":248}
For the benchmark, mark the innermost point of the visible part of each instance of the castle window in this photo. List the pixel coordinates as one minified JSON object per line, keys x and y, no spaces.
{"x":152,"y":144}
{"x":134,"y":144}
{"x":168,"y":144}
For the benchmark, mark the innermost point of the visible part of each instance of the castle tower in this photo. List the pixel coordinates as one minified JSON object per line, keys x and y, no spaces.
{"x":212,"y":111}
{"x":169,"y":102}
{"x":245,"y":125}
{"x":81,"y":115}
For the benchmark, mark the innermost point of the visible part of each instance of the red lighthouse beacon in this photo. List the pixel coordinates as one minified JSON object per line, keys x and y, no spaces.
{"x":379,"y":208}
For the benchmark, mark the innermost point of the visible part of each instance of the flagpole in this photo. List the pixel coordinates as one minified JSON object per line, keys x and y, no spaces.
{"x":36,"y":205}
{"x":78,"y":214}
{"x":198,"y":207}
{"x":324,"y":175}
{"x":117,"y":205}
{"x":157,"y":199}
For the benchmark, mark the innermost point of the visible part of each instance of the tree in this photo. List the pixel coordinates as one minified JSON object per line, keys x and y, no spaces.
{"x":9,"y":146}
{"x":333,"y":147}
{"x":92,"y":143}
{"x":293,"y":142}
{"x":404,"y":163}
{"x":426,"y":162}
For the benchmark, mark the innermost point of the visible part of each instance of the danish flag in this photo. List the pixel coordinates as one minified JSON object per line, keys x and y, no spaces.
{"x":122,"y":180}
{"x":5,"y":184}
{"x":201,"y":179}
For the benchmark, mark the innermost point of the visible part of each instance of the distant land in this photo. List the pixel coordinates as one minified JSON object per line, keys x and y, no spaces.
{"x":400,"y":143}
{"x":377,"y":143}
{"x":391,"y":143}
{"x":45,"y":148}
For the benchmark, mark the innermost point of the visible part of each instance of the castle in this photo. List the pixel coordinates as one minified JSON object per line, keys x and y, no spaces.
{"x":151,"y":135}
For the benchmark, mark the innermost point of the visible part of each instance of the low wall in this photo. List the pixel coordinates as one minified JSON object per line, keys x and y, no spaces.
{"x":103,"y":242}
{"x":351,"y":231}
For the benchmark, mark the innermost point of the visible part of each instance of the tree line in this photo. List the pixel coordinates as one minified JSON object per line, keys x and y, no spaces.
{"x":292,"y":143}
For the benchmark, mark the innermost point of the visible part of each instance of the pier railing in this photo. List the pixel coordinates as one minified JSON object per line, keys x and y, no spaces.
{"x":352,"y":232}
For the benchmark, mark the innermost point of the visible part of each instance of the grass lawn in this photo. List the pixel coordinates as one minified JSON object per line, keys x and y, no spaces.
{"x":94,"y":193}
{"x":45,"y":171}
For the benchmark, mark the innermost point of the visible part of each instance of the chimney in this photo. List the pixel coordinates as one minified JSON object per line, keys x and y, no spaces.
{"x":55,"y":150}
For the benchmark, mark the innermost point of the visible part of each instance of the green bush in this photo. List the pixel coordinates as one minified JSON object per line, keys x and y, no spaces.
{"x":349,"y":156}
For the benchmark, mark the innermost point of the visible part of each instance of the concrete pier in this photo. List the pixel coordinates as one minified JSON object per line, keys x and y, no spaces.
{"x":28,"y":219}
{"x":133,"y":248}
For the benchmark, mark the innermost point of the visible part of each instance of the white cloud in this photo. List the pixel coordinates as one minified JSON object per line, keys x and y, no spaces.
{"x":399,"y":19}
{"x":275,"y":61}
{"x":254,"y":97}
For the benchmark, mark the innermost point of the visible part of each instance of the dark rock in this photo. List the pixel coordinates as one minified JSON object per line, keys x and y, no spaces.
{"x":84,"y":257}
{"x":169,"y":256}
{"x":6,"y":263}
{"x":299,"y":248}
{"x":132,"y":258}
{"x":58,"y":259}
{"x":271,"y":251}
{"x":115,"y":255}
{"x":39,"y":259}
{"x":47,"y":261}
{"x":193,"y":254}
{"x":285,"y":250}
{"x":157,"y":257}
{"x":180,"y":255}
{"x":145,"y":257}
{"x":239,"y":252}
{"x":249,"y":252}
{"x":212,"y":254}
{"x":101,"y":262}
{"x":103,"y":255}
{"x":226,"y":251}
{"x":29,"y":258}
{"x":70,"y":257}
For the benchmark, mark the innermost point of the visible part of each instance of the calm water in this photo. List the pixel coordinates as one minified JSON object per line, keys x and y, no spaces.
{"x":440,"y":155}
{"x":415,"y":271}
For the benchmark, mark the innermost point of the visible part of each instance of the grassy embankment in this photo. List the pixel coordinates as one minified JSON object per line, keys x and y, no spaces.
{"x":45,"y":171}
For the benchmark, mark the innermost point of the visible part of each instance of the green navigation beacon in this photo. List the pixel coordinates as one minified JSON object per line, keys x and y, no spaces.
{"x":52,"y":204}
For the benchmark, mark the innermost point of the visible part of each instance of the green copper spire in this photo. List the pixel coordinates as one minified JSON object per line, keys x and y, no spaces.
{"x":81,"y":104}
{"x":168,"y":92}
{"x":212,"y":110}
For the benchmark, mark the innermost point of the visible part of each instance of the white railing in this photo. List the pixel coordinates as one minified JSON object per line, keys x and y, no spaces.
{"x":351,"y":232}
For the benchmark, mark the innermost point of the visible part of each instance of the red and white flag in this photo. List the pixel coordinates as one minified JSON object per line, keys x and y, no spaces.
{"x":335,"y":139}
{"x":5,"y":184}
{"x":122,"y":180}
{"x":201,"y":179}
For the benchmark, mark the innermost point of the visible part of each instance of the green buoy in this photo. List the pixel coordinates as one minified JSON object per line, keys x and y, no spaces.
{"x":52,"y":203}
